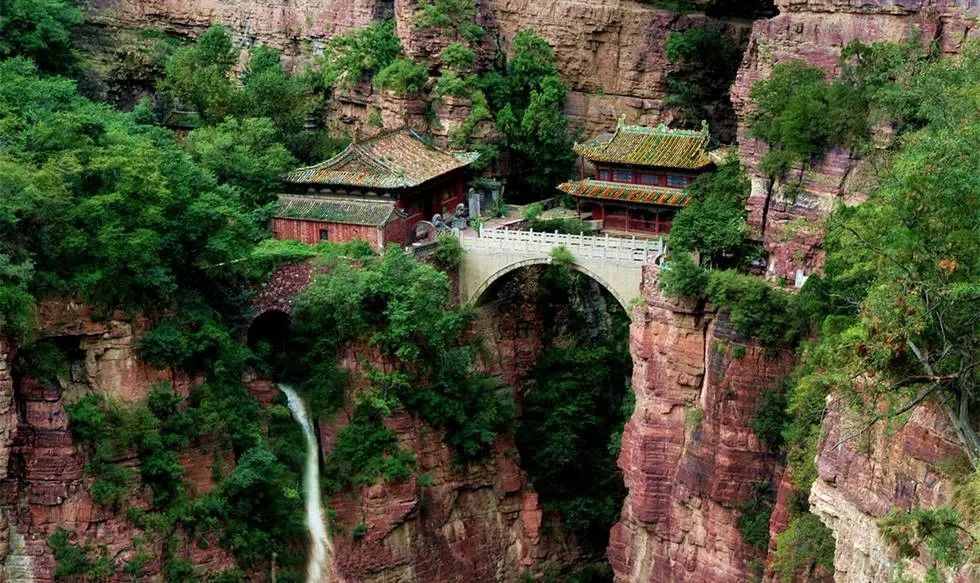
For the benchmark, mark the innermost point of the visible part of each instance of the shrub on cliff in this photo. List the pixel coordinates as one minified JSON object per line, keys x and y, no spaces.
{"x":359,"y":54}
{"x":704,"y":62}
{"x":682,"y":277}
{"x":401,"y":308}
{"x":801,"y":114}
{"x":74,"y":561}
{"x":805,"y":550}
{"x":456,"y":17}
{"x":403,"y":76}
{"x":754,"y":514}
{"x":449,"y":252}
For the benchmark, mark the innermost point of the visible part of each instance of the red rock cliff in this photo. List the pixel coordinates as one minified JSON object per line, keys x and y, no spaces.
{"x":858,"y":481}
{"x":43,"y":485}
{"x":610,"y":52}
{"x":689,"y":456}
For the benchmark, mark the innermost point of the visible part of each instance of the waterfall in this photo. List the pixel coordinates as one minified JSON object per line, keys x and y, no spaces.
{"x":320,"y":567}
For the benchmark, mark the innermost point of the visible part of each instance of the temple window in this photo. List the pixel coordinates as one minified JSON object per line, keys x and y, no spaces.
{"x":603,"y":174}
{"x":623,"y":176}
{"x":324,"y":235}
{"x":649,"y":179}
{"x":675,"y":181}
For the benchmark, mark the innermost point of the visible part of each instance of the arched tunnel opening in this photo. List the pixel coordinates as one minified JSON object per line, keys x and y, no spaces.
{"x":562,"y":339}
{"x":268,"y":338}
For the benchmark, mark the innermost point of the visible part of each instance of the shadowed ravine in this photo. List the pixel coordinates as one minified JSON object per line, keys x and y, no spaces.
{"x":320,"y":567}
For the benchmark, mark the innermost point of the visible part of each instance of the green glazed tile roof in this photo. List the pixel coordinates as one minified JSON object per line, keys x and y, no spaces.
{"x":617,"y":191}
{"x":335,"y":210}
{"x":641,"y":146}
{"x":398,"y":159}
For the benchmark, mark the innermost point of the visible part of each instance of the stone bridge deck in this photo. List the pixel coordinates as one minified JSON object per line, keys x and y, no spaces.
{"x":615,"y":262}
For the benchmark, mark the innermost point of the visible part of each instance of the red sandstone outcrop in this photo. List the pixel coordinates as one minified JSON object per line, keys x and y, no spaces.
{"x":689,"y":456}
{"x":787,"y":216}
{"x":43,"y":485}
{"x":478,"y":523}
{"x":865,"y":477}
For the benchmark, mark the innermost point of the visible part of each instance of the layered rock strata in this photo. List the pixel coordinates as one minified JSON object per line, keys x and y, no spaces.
{"x":863,"y":478}
{"x":610,"y":52}
{"x":689,"y":456}
{"x":43,"y":484}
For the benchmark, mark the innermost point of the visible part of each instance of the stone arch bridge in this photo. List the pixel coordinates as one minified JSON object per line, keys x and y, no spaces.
{"x":615,"y":262}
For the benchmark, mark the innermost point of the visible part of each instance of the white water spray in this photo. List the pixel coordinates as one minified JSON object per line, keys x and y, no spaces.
{"x":320,"y":568}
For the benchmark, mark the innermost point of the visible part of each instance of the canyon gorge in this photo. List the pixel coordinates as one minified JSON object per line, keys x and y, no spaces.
{"x":689,"y":457}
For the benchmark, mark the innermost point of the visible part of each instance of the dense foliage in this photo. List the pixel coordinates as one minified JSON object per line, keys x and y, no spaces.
{"x":401,"y":309}
{"x":713,"y":225}
{"x":895,"y":308}
{"x":200,"y":78}
{"x":576,"y":400}
{"x":801,"y":114}
{"x":40,"y":30}
{"x":804,"y":551}
{"x":522,"y":98}
{"x":754,"y":514}
{"x":360,"y":54}
{"x":102,"y":207}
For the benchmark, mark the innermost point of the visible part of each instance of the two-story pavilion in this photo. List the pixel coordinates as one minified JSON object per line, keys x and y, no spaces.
{"x":640,"y":176}
{"x":376,"y":190}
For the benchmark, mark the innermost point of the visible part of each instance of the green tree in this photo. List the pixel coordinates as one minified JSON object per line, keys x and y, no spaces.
{"x":804,"y":550}
{"x":246,"y":154}
{"x":713,"y":224}
{"x":270,"y":93}
{"x":915,"y":248}
{"x":403,"y":76}
{"x":40,"y":30}
{"x":458,"y":57}
{"x":458,"y":17}
{"x":531,"y":117}
{"x":199,"y":76}
{"x":102,"y":207}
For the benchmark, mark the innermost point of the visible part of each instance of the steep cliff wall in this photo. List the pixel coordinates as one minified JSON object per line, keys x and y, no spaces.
{"x":610,"y":52}
{"x":481,"y":522}
{"x":864,"y":478}
{"x":789,"y":221}
{"x":689,"y":457}
{"x":43,"y":484}
{"x":860,"y":480}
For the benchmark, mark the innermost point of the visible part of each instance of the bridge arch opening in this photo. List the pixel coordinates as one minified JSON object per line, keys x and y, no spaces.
{"x":484,"y":289}
{"x":561,"y":337}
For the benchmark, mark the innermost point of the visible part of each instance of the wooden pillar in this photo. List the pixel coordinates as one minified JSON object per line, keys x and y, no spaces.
{"x":656,"y":221}
{"x":629,"y":227}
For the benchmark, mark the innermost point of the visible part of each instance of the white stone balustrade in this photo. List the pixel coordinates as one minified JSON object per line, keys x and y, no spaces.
{"x":617,"y":249}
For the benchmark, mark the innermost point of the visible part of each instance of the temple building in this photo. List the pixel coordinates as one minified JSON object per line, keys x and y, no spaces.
{"x":376,"y":190}
{"x":640,"y":176}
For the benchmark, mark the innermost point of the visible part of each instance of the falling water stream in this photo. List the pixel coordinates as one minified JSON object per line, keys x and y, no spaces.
{"x":320,"y":568}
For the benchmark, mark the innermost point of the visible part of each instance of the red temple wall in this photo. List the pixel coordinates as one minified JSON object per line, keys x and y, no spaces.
{"x":309,"y":231}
